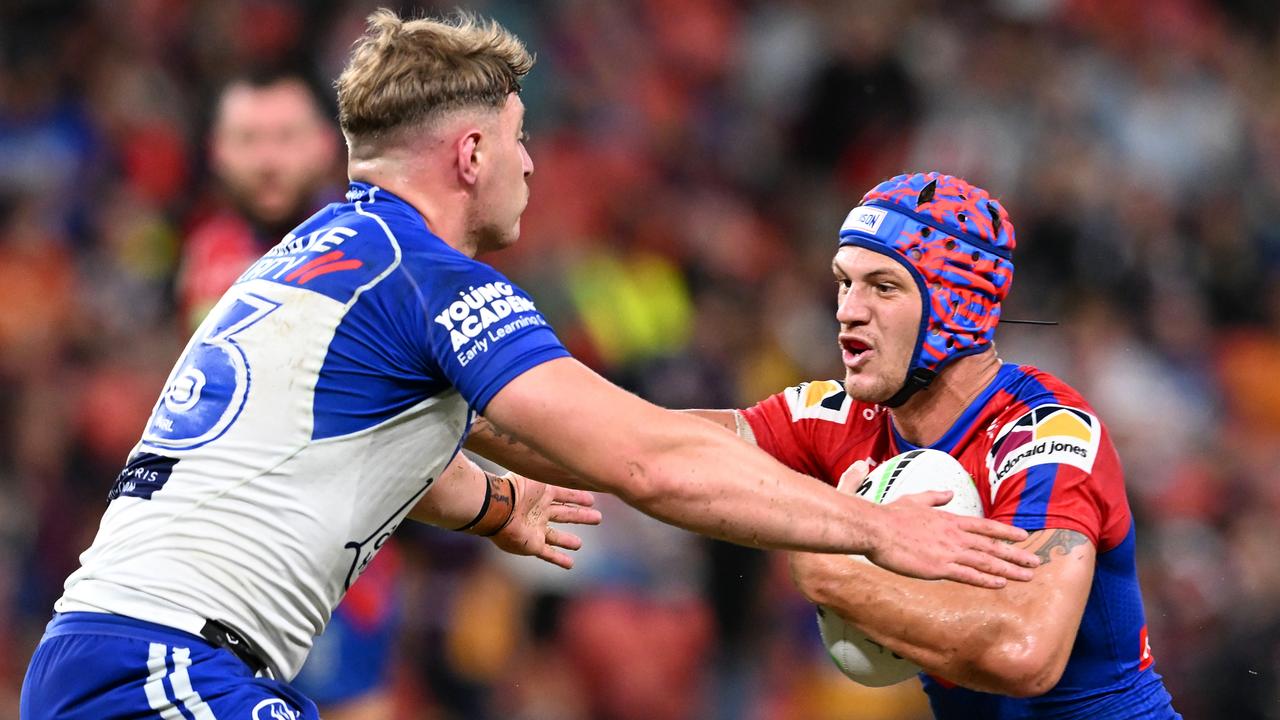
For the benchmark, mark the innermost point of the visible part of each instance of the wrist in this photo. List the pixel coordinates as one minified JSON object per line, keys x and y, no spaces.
{"x":872,"y":526}
{"x":498,"y":507}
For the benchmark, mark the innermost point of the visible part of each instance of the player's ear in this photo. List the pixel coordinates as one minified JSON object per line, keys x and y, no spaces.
{"x":469,"y":155}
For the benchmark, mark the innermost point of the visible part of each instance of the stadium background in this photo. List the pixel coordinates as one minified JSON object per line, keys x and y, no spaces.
{"x":694,"y":160}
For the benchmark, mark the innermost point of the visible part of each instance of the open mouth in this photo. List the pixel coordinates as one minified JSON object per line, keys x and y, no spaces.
{"x":853,"y":350}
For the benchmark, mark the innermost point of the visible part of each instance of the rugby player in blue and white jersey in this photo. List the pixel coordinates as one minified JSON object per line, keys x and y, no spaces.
{"x":326,"y":395}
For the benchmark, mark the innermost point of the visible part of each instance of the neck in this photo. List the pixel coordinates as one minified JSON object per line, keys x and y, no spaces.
{"x":442,"y":207}
{"x":927,"y":416}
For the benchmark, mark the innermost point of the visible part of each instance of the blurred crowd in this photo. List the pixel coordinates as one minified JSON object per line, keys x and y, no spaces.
{"x":694,"y":160}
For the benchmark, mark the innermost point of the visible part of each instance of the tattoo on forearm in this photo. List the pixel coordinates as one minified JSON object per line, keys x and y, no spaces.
{"x":1058,"y":539}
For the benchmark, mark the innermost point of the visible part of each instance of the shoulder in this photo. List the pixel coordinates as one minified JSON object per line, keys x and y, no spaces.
{"x":821,"y":405}
{"x":1043,"y":420}
{"x":825,"y":400}
{"x":1031,"y":392}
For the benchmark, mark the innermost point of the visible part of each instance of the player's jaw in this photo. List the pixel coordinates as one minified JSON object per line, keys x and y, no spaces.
{"x":870,"y":373}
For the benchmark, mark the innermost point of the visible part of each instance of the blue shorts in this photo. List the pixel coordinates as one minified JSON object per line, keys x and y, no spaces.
{"x":93,"y":666}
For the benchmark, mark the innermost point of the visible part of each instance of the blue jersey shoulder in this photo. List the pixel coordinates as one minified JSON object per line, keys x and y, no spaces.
{"x":433,"y":319}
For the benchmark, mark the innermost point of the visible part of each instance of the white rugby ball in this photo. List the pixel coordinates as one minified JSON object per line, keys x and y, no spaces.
{"x":857,"y":656}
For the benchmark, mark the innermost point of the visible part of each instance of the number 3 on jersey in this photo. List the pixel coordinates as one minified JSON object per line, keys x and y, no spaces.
{"x":209,"y":386}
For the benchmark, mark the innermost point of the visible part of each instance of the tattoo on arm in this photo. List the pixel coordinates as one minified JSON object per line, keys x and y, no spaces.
{"x":1057,"y":539}
{"x":482,"y":425}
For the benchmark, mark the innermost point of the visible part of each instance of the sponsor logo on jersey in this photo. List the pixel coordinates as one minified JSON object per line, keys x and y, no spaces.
{"x":301,"y":258}
{"x":1048,"y":434}
{"x":866,"y":219}
{"x":144,"y":474}
{"x":820,"y":400}
{"x":274,"y":709}
{"x":482,"y":315}
{"x":362,"y":551}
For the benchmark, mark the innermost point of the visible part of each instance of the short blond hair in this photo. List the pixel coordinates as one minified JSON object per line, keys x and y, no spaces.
{"x":404,"y":72}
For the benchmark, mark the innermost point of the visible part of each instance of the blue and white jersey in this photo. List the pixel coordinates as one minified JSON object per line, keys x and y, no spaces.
{"x":309,"y":413}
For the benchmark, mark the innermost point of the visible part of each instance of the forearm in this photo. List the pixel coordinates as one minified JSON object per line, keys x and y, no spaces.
{"x":461,"y":498}
{"x":951,"y":630}
{"x":505,"y":449}
{"x":748,"y":498}
{"x":1013,"y":641}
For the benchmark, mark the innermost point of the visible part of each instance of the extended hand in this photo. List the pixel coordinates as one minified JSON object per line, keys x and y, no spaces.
{"x":537,"y":506}
{"x":921,"y":542}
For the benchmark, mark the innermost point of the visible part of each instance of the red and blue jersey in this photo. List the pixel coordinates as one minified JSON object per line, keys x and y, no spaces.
{"x":1041,"y":459}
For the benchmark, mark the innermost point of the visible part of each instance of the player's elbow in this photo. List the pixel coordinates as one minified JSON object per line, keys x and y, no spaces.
{"x":639,"y":485}
{"x":1026,"y":667}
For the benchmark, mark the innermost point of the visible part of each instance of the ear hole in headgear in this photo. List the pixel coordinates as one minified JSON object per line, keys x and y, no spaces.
{"x":926,"y":193}
{"x":994,"y":212}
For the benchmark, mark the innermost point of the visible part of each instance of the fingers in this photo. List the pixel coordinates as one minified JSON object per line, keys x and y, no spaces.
{"x":970,"y":576}
{"x":854,"y":475}
{"x":994,"y":530}
{"x":990,"y":565}
{"x":564,"y":539}
{"x":573,"y":514}
{"x":555,"y":557}
{"x":1010,"y":554}
{"x":559,"y":539}
{"x":569,"y":496}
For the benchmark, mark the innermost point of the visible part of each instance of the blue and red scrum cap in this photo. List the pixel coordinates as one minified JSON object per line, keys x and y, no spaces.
{"x":957,"y":242}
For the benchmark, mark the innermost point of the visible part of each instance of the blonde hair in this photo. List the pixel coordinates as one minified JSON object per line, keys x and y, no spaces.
{"x":404,"y":72}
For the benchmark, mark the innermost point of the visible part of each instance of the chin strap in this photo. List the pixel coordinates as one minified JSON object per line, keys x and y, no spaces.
{"x":917,"y":380}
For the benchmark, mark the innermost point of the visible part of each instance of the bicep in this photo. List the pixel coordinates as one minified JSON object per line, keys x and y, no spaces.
{"x":574,"y":417}
{"x":1053,"y":601}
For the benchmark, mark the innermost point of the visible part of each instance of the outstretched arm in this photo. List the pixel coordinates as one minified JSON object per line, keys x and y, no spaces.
{"x":688,"y":472}
{"x":503,"y":448}
{"x":1012,"y":641}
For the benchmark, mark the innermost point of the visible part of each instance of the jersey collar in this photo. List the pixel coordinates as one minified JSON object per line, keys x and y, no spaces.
{"x":963,"y":424}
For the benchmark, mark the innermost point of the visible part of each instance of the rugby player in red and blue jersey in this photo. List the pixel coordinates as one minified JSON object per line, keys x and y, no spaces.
{"x":1072,"y":643}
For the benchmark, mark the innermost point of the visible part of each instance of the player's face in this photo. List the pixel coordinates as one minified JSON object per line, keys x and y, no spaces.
{"x":272,"y":149}
{"x":878,"y":309}
{"x":502,"y":190}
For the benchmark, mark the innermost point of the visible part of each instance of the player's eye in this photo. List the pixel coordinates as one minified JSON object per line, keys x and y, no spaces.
{"x":524,"y":136}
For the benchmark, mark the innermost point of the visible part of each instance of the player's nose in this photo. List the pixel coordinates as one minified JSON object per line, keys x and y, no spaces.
{"x":853,"y":310}
{"x":526,"y":161}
